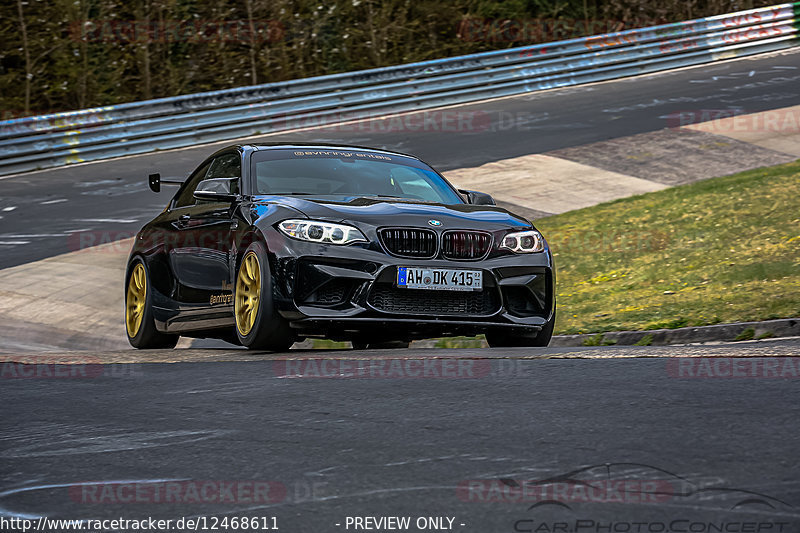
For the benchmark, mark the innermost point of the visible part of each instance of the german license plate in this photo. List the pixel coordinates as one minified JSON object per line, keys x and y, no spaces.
{"x":439,"y":279}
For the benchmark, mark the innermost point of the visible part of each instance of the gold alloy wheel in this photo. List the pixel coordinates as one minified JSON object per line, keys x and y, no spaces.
{"x":248,"y":293}
{"x":135,"y":302}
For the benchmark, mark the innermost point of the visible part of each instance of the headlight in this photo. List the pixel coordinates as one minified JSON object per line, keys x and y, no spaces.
{"x":523,"y":242}
{"x":322,"y":232}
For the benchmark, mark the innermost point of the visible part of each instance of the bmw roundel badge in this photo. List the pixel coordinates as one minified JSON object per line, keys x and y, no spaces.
{"x":433,"y":222}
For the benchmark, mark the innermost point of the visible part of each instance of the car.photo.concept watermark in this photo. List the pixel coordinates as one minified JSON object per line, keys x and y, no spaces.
{"x":629,"y":498}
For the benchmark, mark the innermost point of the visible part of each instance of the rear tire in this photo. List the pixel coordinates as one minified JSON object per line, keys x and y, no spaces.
{"x":502,"y":339}
{"x":139,"y":324}
{"x":258,"y":324}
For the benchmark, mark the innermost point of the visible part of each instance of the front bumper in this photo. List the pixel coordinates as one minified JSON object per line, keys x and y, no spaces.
{"x":341,"y":292}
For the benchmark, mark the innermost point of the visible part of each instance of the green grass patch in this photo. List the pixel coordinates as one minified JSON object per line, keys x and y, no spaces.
{"x":327,"y":344}
{"x":461,"y":342}
{"x":647,"y":340}
{"x":720,"y":250}
{"x":598,"y":340}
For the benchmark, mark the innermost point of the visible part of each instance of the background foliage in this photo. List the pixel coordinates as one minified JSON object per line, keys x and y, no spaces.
{"x":59,"y":55}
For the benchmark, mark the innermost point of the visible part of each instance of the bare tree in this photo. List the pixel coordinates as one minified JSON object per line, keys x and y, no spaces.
{"x":144,"y":47}
{"x":83,"y":84}
{"x":27,"y":52}
{"x":253,"y":71}
{"x":100,"y":62}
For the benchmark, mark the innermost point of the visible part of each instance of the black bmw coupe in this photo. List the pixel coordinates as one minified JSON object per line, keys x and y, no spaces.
{"x":264,"y":245}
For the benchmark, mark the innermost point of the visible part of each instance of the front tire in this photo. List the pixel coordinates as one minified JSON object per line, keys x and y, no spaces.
{"x":258,"y":325}
{"x":139,"y":324}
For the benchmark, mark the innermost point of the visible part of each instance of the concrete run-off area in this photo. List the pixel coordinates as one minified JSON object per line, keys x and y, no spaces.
{"x":74,"y":300}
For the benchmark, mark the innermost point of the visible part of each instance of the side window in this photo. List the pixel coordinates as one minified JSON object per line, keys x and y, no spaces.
{"x":226,"y":166}
{"x":185,"y":196}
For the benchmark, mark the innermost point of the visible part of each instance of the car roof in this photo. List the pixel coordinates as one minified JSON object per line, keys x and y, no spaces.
{"x":325,"y":146}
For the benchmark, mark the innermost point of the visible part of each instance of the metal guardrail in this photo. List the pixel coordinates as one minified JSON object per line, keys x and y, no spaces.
{"x":32,"y":143}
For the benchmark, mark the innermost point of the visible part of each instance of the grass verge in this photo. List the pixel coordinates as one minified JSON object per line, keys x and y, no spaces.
{"x":720,"y":250}
{"x":716,"y":251}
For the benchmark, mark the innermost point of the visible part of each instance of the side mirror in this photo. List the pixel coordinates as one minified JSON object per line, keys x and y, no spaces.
{"x":216,"y":189}
{"x":155,"y":181}
{"x":477,"y":198}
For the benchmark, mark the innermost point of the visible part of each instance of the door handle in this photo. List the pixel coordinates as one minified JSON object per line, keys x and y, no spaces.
{"x":183,"y":220}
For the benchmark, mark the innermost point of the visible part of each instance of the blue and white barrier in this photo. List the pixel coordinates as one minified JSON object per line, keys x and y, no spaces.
{"x":32,"y":143}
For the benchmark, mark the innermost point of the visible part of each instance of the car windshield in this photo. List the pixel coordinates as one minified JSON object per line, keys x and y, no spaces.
{"x":345,"y":174}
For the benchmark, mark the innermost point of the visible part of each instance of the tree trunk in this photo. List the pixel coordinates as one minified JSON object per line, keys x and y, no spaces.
{"x":27,"y":52}
{"x":253,"y":71}
{"x":83,"y":90}
{"x":145,"y":50}
{"x":374,"y":48}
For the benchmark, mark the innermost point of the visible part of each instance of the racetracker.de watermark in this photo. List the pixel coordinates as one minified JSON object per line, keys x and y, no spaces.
{"x":675,"y":525}
{"x":733,"y":367}
{"x":183,"y":492}
{"x":118,"y":241}
{"x":724,"y":121}
{"x":591,"y":491}
{"x":80,"y":367}
{"x":424,"y":368}
{"x":177,"y":31}
{"x":596,"y":241}
{"x":242,"y":491}
{"x":542,"y":30}
{"x":572,"y":241}
{"x":444,"y":121}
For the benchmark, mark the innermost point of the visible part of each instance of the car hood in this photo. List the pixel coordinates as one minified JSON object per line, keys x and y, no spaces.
{"x":380,"y":212}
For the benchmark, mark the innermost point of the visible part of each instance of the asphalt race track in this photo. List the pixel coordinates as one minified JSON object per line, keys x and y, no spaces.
{"x":408,"y":440}
{"x":581,"y":440}
{"x":112,"y":196}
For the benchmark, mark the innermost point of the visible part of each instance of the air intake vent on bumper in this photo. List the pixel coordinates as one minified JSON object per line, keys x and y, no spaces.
{"x":409,"y":242}
{"x":463,"y":245}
